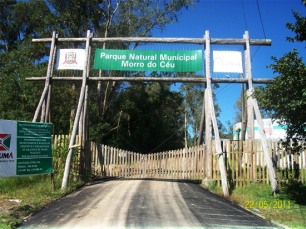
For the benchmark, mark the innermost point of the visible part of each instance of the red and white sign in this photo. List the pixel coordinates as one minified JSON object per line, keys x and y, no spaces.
{"x":70,"y":59}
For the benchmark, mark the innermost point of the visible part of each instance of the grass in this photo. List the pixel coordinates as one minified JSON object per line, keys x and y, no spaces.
{"x":32,"y":192}
{"x":288,"y":208}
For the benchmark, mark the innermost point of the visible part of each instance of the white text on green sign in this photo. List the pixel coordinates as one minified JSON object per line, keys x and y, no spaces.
{"x":148,"y":60}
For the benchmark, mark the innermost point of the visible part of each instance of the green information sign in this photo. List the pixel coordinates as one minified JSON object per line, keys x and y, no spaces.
{"x":148,"y":60}
{"x":34,"y":148}
{"x":25,"y":148}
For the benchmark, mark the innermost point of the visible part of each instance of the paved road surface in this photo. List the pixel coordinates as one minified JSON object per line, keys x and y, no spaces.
{"x":144,"y":203}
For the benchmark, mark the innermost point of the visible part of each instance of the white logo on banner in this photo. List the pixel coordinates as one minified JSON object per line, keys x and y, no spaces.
{"x":227,"y":61}
{"x":70,"y":59}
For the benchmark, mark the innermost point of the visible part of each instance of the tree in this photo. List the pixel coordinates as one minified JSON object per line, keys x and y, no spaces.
{"x":20,"y":21}
{"x":19,"y":58}
{"x":147,"y":117}
{"x":194,"y":95}
{"x":299,"y":27}
{"x":286,"y":96}
{"x":117,"y":18}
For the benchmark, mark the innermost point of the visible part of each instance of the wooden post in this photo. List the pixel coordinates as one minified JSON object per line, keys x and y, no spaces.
{"x":48,"y":102}
{"x":208,"y":125}
{"x":218,"y":146}
{"x":200,"y":141}
{"x":211,"y":118}
{"x":47,"y":82}
{"x":262,"y":134}
{"x":243,"y":113}
{"x":77,"y":117}
{"x":248,"y":75}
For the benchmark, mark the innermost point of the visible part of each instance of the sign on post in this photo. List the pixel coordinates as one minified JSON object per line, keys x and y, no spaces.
{"x":70,"y":59}
{"x":25,"y":148}
{"x":148,"y":60}
{"x":227,"y":61}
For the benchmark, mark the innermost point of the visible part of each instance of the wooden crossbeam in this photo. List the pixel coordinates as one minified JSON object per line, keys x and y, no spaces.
{"x":151,"y":79}
{"x":199,"y":41}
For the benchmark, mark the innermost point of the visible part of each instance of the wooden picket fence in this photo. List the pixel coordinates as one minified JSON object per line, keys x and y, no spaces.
{"x":244,"y":162}
{"x":176,"y":164}
{"x":79,"y":167}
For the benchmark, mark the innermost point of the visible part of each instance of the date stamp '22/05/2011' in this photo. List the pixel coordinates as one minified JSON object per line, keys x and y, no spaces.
{"x":276,"y":204}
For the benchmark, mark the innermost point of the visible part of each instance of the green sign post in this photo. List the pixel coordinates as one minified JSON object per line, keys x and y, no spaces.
{"x":34,"y":148}
{"x":148,"y":60}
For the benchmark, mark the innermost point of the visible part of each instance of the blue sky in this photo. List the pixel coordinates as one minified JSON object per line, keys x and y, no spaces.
{"x":230,"y":19}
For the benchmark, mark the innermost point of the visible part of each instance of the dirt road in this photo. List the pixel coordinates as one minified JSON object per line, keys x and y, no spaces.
{"x":143,"y":203}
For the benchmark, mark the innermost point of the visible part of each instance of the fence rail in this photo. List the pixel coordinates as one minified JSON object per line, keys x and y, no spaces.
{"x":175,"y":164}
{"x":244,"y":162}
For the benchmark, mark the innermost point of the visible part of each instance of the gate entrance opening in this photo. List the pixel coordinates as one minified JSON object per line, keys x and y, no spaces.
{"x":80,"y":123}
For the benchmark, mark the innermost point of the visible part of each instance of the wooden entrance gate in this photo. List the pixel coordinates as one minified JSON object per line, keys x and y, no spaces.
{"x":80,"y":124}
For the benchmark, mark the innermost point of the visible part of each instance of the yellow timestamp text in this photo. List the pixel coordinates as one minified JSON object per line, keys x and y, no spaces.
{"x":278,"y":204}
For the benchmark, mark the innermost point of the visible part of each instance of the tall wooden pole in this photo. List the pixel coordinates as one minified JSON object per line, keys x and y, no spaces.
{"x":48,"y":103}
{"x":264,"y":141}
{"x":208,"y":125}
{"x":248,"y":75}
{"x":219,"y":151}
{"x":186,"y":130}
{"x":77,"y":116}
{"x":48,"y":79}
{"x":211,"y":120}
{"x":85,"y":124}
{"x":243,"y":113}
{"x":200,"y":142}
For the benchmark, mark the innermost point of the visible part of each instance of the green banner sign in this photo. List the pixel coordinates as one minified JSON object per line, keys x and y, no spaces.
{"x":148,"y":60}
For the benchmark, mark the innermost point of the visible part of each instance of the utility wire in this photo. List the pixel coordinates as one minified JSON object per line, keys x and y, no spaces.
{"x":262,"y":26}
{"x":263,"y":29}
{"x":255,"y":53}
{"x":128,"y":142}
{"x":224,"y":88}
{"x":245,"y":22}
{"x":168,"y":139}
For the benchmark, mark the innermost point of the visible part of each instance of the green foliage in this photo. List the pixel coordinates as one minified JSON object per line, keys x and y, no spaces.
{"x":286,"y":96}
{"x":194,"y":95}
{"x":19,"y":58}
{"x":120,"y":115}
{"x":193,"y":102}
{"x":299,"y":27}
{"x":144,"y":116}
